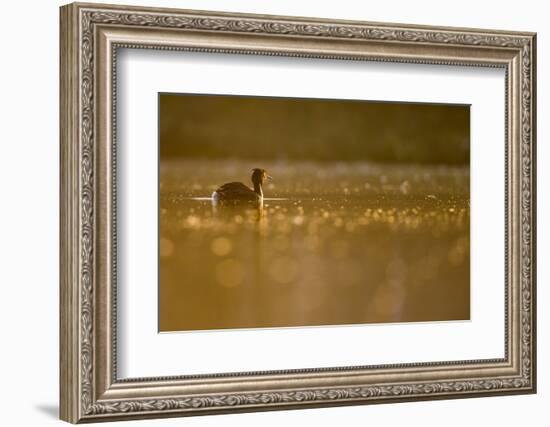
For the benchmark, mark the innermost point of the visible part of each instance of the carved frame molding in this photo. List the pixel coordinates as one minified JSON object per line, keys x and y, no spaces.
{"x":90,"y":37}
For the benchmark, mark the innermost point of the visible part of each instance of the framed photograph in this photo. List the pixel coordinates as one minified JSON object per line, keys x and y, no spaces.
{"x":265,"y":212}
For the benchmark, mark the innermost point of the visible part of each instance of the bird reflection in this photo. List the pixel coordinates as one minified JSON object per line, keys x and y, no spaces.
{"x":239,"y":213}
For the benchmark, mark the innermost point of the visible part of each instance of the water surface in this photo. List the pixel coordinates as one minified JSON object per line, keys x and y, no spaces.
{"x":336,"y":243}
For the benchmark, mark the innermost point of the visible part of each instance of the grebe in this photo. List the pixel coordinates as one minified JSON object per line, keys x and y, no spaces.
{"x":237,"y":192}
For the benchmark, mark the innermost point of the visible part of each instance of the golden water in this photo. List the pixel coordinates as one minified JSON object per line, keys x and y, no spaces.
{"x":334,"y":244}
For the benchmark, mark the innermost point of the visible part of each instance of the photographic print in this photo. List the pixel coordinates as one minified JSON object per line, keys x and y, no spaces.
{"x":287,"y":212}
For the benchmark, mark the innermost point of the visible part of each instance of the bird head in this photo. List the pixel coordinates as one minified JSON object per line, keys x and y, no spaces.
{"x":259,"y":176}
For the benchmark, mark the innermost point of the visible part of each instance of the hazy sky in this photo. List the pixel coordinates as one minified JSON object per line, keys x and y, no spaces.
{"x":209,"y":126}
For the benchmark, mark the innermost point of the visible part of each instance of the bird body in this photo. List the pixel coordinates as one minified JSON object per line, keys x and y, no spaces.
{"x":237,"y":192}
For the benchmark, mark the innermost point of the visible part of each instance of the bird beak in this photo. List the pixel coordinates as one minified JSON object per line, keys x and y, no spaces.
{"x":269,"y":177}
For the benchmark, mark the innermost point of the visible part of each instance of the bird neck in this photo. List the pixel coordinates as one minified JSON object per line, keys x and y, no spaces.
{"x":258,"y":189}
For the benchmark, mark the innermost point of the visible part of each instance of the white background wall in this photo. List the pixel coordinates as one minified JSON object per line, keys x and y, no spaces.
{"x":29,"y":171}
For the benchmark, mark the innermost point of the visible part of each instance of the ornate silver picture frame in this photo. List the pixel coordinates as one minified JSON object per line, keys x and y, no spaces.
{"x":91,"y":35}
